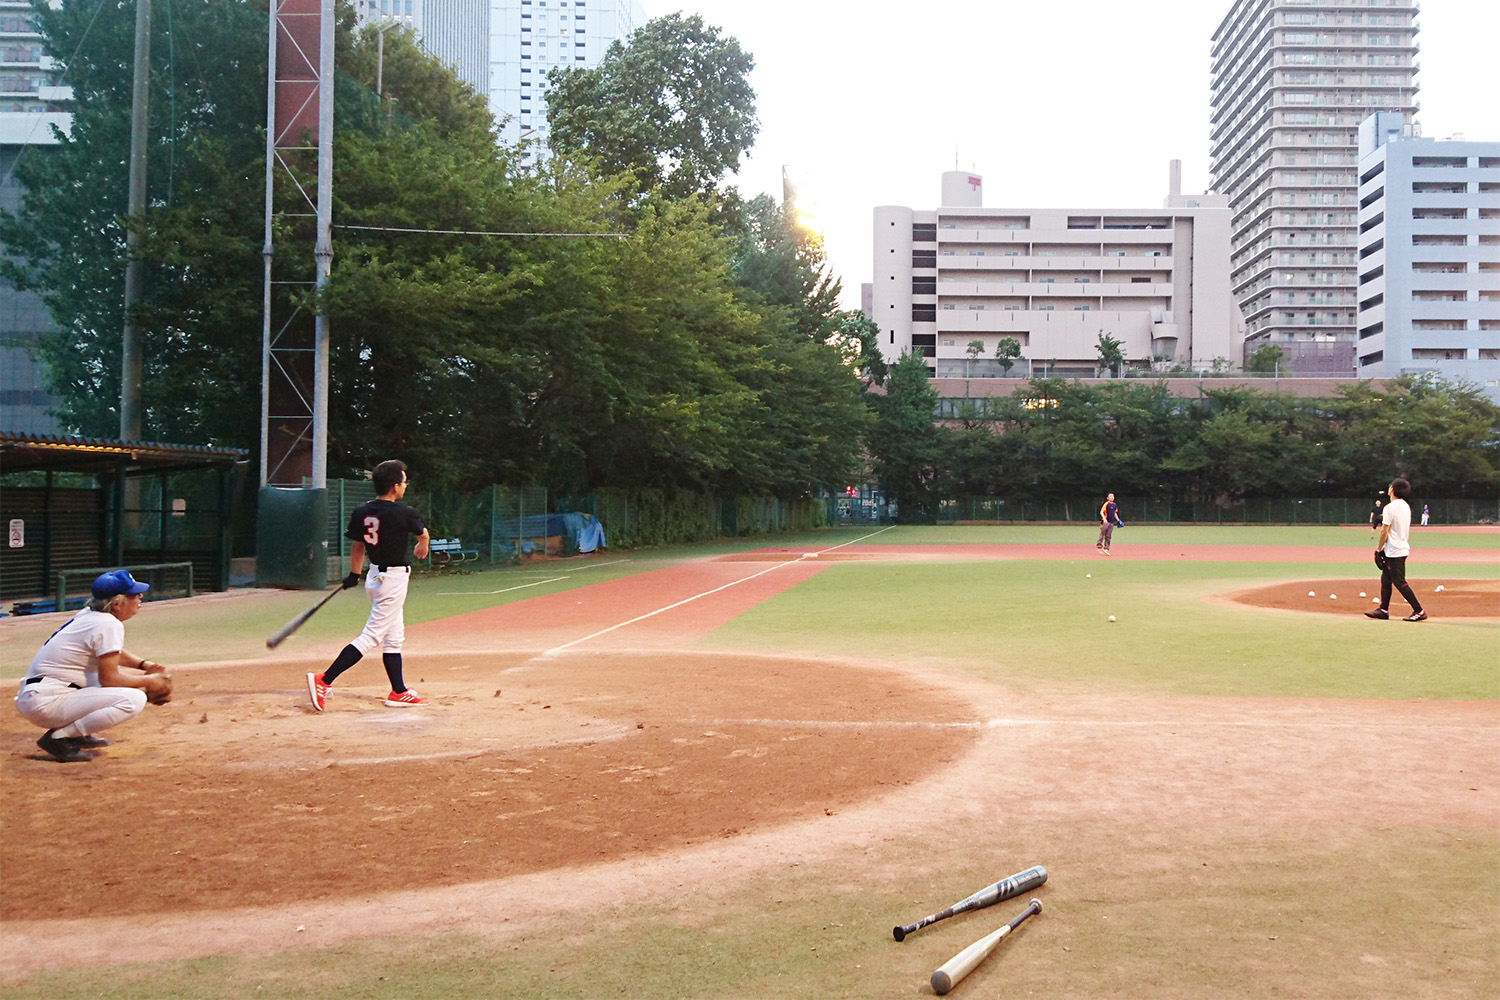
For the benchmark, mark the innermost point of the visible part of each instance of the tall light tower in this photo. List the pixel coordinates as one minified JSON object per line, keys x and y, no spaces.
{"x":294,"y":343}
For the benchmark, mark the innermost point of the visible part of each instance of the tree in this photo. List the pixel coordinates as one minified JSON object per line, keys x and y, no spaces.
{"x":908,"y":451}
{"x":973,"y":350}
{"x":675,"y":106}
{"x":1266,"y":359}
{"x":1006,"y":352}
{"x":1111,"y":354}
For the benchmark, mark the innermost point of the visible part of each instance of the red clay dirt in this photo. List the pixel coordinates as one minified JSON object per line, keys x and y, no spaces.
{"x":595,"y":752}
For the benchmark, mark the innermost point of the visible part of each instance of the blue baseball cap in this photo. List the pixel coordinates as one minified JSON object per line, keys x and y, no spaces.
{"x":118,"y":582}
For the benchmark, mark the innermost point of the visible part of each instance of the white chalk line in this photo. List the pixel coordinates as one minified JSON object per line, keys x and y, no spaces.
{"x":687,"y":600}
{"x":523,"y":586}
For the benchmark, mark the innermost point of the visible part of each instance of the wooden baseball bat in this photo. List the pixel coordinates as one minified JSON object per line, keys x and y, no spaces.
{"x":1017,"y":885}
{"x":298,"y":622}
{"x":951,"y":972}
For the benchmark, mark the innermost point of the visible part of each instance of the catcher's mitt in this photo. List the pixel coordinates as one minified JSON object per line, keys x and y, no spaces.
{"x":1380,"y":559}
{"x":161,"y":692}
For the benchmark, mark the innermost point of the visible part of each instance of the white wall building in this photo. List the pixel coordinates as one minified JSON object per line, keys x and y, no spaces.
{"x":505,"y":48}
{"x":1157,"y":280}
{"x":1291,"y":81}
{"x":1429,"y":255}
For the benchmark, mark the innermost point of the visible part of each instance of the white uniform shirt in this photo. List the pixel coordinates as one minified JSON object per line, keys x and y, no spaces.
{"x":1398,"y":516}
{"x":72,"y":654}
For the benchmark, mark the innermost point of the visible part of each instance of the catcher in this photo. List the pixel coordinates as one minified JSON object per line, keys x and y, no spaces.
{"x":77,"y":685}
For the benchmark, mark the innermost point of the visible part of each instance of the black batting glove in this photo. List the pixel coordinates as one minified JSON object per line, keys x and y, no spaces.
{"x":352,"y":580}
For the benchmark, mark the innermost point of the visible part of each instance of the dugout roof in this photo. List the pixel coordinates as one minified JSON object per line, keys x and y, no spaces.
{"x":76,"y":453}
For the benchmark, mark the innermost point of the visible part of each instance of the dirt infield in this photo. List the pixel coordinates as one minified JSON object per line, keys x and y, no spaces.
{"x":1458,"y":599}
{"x":577,"y":747}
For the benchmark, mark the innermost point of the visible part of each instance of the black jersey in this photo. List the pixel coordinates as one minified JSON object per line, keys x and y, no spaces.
{"x":386,"y":528}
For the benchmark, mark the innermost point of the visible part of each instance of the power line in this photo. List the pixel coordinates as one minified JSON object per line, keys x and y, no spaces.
{"x":473,"y":232}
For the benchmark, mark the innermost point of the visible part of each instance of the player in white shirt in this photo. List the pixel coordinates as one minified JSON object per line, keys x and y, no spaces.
{"x":76,"y":686}
{"x":1391,"y":549}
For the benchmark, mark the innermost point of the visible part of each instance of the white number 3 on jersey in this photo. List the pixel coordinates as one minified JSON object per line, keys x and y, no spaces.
{"x":372,"y":531}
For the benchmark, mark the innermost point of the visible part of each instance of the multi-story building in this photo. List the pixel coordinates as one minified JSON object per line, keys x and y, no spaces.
{"x":32,"y":101}
{"x":1292,"y":80}
{"x":505,"y":48}
{"x":1429,"y":255}
{"x":1156,"y":280}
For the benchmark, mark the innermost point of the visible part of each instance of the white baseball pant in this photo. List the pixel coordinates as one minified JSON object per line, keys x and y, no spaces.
{"x":69,"y":711}
{"x":386,"y":626}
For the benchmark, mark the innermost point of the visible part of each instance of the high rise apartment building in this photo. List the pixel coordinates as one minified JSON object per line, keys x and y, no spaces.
{"x":1291,"y":82}
{"x":505,"y":48}
{"x":1056,"y":280}
{"x":1429,"y":255}
{"x":32,"y":100}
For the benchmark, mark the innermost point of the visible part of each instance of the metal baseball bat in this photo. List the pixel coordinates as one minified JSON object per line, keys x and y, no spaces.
{"x":952,"y":971}
{"x":297,"y":622}
{"x":1017,"y":885}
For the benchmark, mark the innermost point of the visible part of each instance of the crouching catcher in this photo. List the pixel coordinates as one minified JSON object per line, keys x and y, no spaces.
{"x":78,"y":685}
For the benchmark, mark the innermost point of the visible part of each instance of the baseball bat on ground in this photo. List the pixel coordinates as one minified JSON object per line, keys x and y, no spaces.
{"x":950,"y":972}
{"x":1017,"y":885}
{"x":301,"y":619}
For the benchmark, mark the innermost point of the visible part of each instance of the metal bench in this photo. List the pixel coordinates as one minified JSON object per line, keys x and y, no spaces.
{"x":446,"y":552}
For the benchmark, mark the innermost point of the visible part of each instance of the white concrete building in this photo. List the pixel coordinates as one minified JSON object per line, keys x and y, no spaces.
{"x":1291,"y":81}
{"x":1157,"y":280}
{"x":1429,"y":255}
{"x":505,"y":48}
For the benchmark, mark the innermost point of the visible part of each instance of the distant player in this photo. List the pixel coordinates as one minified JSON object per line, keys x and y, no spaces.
{"x":1109,"y":520}
{"x":1391,"y":550}
{"x":1425,"y":515}
{"x":382,"y":529}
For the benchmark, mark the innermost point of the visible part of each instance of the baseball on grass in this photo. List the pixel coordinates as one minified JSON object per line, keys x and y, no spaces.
{"x":1111,"y":617}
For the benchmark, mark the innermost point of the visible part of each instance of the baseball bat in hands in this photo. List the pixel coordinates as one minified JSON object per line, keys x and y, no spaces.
{"x":1017,"y":885}
{"x":300,"y":620}
{"x":952,"y":971}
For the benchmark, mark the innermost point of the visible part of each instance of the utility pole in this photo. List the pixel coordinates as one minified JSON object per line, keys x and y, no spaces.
{"x":130,"y":341}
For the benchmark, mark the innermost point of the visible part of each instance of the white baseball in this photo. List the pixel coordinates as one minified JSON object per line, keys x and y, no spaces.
{"x":1362,"y":593}
{"x":1333,"y":597}
{"x":1111,"y":617}
{"x":1311,"y":594}
{"x":1440,"y":586}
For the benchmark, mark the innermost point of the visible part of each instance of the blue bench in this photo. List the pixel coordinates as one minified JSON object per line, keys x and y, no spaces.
{"x":446,"y":552}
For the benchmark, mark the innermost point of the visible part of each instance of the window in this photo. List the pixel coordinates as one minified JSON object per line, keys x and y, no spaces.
{"x":924,"y":232}
{"x":923,"y":258}
{"x":1083,"y":308}
{"x":923,"y":313}
{"x":1047,"y":281}
{"x":1045,"y":308}
{"x":924,"y":286}
{"x":1081,"y":281}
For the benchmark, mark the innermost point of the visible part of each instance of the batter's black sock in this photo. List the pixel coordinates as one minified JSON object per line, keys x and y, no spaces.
{"x":393,"y":671}
{"x":347,"y":658}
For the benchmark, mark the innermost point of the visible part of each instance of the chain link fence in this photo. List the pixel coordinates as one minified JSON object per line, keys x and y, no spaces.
{"x":1321,"y":510}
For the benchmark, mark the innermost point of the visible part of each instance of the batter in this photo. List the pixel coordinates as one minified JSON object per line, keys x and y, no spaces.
{"x":382,"y":529}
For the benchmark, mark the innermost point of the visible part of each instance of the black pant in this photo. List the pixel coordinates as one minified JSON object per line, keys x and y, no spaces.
{"x":1393,"y":574}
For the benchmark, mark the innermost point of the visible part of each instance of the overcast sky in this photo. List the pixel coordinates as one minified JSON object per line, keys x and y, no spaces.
{"x":1069,"y":103}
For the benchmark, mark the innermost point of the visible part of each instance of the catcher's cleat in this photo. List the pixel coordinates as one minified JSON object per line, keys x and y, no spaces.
{"x":1420,"y":616}
{"x":317,"y":691}
{"x":404,"y":699}
{"x":68,"y":750}
{"x":1379,"y":614}
{"x":92,"y":742}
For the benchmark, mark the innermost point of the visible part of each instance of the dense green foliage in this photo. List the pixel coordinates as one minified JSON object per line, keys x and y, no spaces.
{"x":492,"y":320}
{"x":674,"y":106}
{"x":1059,"y":438}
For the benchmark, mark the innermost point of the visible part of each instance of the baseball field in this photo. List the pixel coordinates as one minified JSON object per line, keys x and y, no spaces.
{"x":728,"y":771}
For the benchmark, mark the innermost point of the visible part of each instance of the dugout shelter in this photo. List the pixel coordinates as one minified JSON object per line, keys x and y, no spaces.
{"x":70,"y":504}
